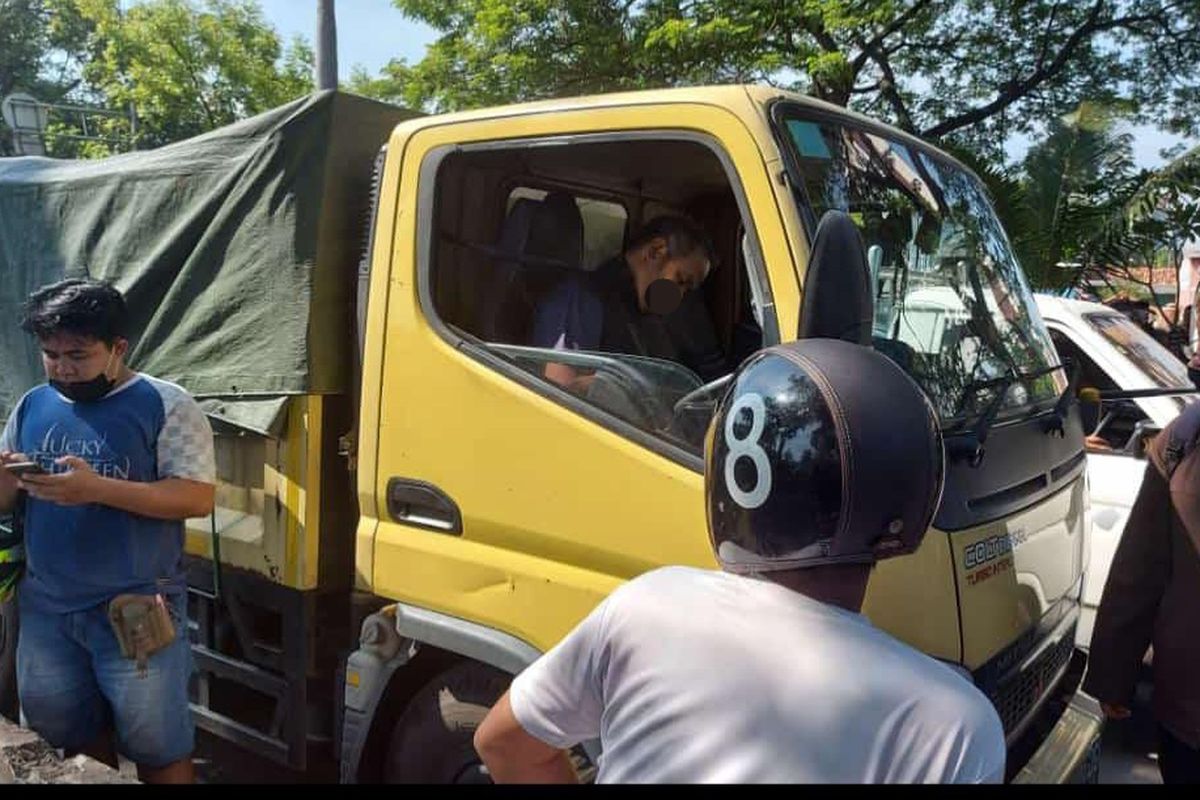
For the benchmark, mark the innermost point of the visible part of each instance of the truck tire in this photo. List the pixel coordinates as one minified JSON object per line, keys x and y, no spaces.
{"x":432,"y":739}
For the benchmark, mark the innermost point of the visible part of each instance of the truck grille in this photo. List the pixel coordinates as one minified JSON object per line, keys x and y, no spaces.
{"x":1017,"y":696}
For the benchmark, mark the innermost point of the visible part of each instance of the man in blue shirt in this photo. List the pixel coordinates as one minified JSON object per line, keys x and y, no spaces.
{"x":635,"y":303}
{"x":126,"y":458}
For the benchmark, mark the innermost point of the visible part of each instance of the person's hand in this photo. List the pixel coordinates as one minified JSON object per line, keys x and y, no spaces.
{"x":74,"y":488}
{"x":8,"y":481}
{"x":581,"y":384}
{"x":1093,"y":442}
{"x":1115,"y":711}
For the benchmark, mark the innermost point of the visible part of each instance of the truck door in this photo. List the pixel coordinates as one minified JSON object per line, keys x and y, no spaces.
{"x":503,"y":498}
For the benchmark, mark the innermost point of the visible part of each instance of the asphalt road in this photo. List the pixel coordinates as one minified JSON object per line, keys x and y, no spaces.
{"x":1129,"y":748}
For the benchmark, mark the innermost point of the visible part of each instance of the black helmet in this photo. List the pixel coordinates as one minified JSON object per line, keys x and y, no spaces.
{"x":821,"y":452}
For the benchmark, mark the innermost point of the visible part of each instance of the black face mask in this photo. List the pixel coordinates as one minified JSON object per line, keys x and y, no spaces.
{"x":663,"y":296}
{"x":86,"y":391}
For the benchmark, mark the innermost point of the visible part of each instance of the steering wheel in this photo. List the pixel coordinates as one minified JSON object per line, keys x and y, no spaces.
{"x":638,"y":396}
{"x":609,"y":390}
{"x":698,"y":398}
{"x":693,"y":412}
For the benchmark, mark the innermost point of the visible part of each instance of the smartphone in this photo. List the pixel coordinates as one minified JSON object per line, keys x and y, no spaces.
{"x":19,"y":469}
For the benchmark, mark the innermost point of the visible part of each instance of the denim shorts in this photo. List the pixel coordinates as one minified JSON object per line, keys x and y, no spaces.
{"x":74,"y":684}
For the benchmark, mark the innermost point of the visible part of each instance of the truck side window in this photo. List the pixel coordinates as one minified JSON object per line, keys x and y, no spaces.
{"x":528,"y":262}
{"x":604,"y":223}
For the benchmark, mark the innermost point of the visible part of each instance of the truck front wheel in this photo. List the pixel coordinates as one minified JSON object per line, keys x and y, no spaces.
{"x":432,"y":739}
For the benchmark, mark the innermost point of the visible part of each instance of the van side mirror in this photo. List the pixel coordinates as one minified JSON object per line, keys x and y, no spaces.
{"x":1089,"y":409}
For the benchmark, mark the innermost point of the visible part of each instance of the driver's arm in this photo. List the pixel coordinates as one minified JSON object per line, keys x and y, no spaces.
{"x":570,"y":318}
{"x":569,"y":378}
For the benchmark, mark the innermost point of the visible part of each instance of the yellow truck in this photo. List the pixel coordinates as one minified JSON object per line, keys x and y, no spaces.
{"x":422,"y":513}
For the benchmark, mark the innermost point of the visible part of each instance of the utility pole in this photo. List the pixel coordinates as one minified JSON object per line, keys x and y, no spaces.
{"x":327,"y":71}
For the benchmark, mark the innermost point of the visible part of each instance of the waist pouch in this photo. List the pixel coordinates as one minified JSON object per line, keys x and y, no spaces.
{"x":142,"y":624}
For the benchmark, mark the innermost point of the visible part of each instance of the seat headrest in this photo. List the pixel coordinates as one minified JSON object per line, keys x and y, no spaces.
{"x":546,"y":232}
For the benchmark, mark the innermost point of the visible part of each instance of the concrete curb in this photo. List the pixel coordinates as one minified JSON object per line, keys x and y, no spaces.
{"x":27,"y":758}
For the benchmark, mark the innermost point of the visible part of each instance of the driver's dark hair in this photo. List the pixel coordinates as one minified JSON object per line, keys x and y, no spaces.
{"x":683,"y":237}
{"x":78,"y":306}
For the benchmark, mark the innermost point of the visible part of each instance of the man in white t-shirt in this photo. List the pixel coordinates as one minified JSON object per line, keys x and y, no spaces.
{"x":823,"y":458}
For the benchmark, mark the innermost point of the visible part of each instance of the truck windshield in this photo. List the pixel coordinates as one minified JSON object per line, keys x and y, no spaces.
{"x":951,"y":305}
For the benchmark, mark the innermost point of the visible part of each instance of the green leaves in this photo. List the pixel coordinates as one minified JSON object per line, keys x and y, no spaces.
{"x":182,"y":66}
{"x":1077,"y":199}
{"x":977,"y":70}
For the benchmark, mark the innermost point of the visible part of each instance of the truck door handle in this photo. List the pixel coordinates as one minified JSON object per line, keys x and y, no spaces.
{"x":423,"y":505}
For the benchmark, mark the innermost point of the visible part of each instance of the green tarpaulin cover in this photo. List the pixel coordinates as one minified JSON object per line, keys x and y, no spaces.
{"x":236,"y":250}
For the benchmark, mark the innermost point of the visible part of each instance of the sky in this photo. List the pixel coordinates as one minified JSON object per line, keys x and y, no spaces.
{"x":372,"y":32}
{"x":1147,"y":141}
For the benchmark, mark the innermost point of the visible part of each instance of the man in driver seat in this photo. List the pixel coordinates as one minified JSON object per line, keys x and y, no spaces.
{"x":624,"y":305}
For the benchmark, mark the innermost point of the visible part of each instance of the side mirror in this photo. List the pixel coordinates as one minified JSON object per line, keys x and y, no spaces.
{"x":838,"y":301}
{"x":1089,"y":409}
{"x":1143,"y":433}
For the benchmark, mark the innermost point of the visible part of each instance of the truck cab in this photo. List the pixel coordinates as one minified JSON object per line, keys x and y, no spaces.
{"x":498,"y":508}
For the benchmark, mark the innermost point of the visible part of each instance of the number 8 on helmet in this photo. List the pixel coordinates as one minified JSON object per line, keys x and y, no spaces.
{"x":821,"y":452}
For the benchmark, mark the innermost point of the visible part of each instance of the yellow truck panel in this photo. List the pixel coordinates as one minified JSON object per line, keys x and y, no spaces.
{"x":269,"y":500}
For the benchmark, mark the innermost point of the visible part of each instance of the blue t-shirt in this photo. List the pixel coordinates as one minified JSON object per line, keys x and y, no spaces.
{"x":81,"y":556}
{"x":598,"y":311}
{"x":570,"y":318}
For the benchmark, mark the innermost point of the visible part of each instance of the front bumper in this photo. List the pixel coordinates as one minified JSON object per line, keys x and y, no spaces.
{"x":1071,"y":752}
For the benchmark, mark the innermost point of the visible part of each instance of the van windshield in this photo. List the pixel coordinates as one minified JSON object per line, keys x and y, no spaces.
{"x":1150,"y":357}
{"x":951,"y":305}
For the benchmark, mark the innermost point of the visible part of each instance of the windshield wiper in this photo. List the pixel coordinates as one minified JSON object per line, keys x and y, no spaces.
{"x":970,"y":446}
{"x":1057,"y":421}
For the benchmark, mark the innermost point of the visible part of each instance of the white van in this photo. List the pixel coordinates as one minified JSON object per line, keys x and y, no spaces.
{"x":1113,"y":353}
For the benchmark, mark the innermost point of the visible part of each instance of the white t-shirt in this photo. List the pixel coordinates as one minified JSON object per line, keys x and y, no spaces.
{"x":697,"y":676}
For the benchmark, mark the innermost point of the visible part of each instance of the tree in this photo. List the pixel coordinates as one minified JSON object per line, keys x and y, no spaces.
{"x":972,"y":70}
{"x":187,"y":69}
{"x":1077,"y":210}
{"x":181,"y":67}
{"x":23,"y":36}
{"x":28,"y":37}
{"x":22,"y":41}
{"x":1153,"y":218}
{"x":1069,"y":185}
